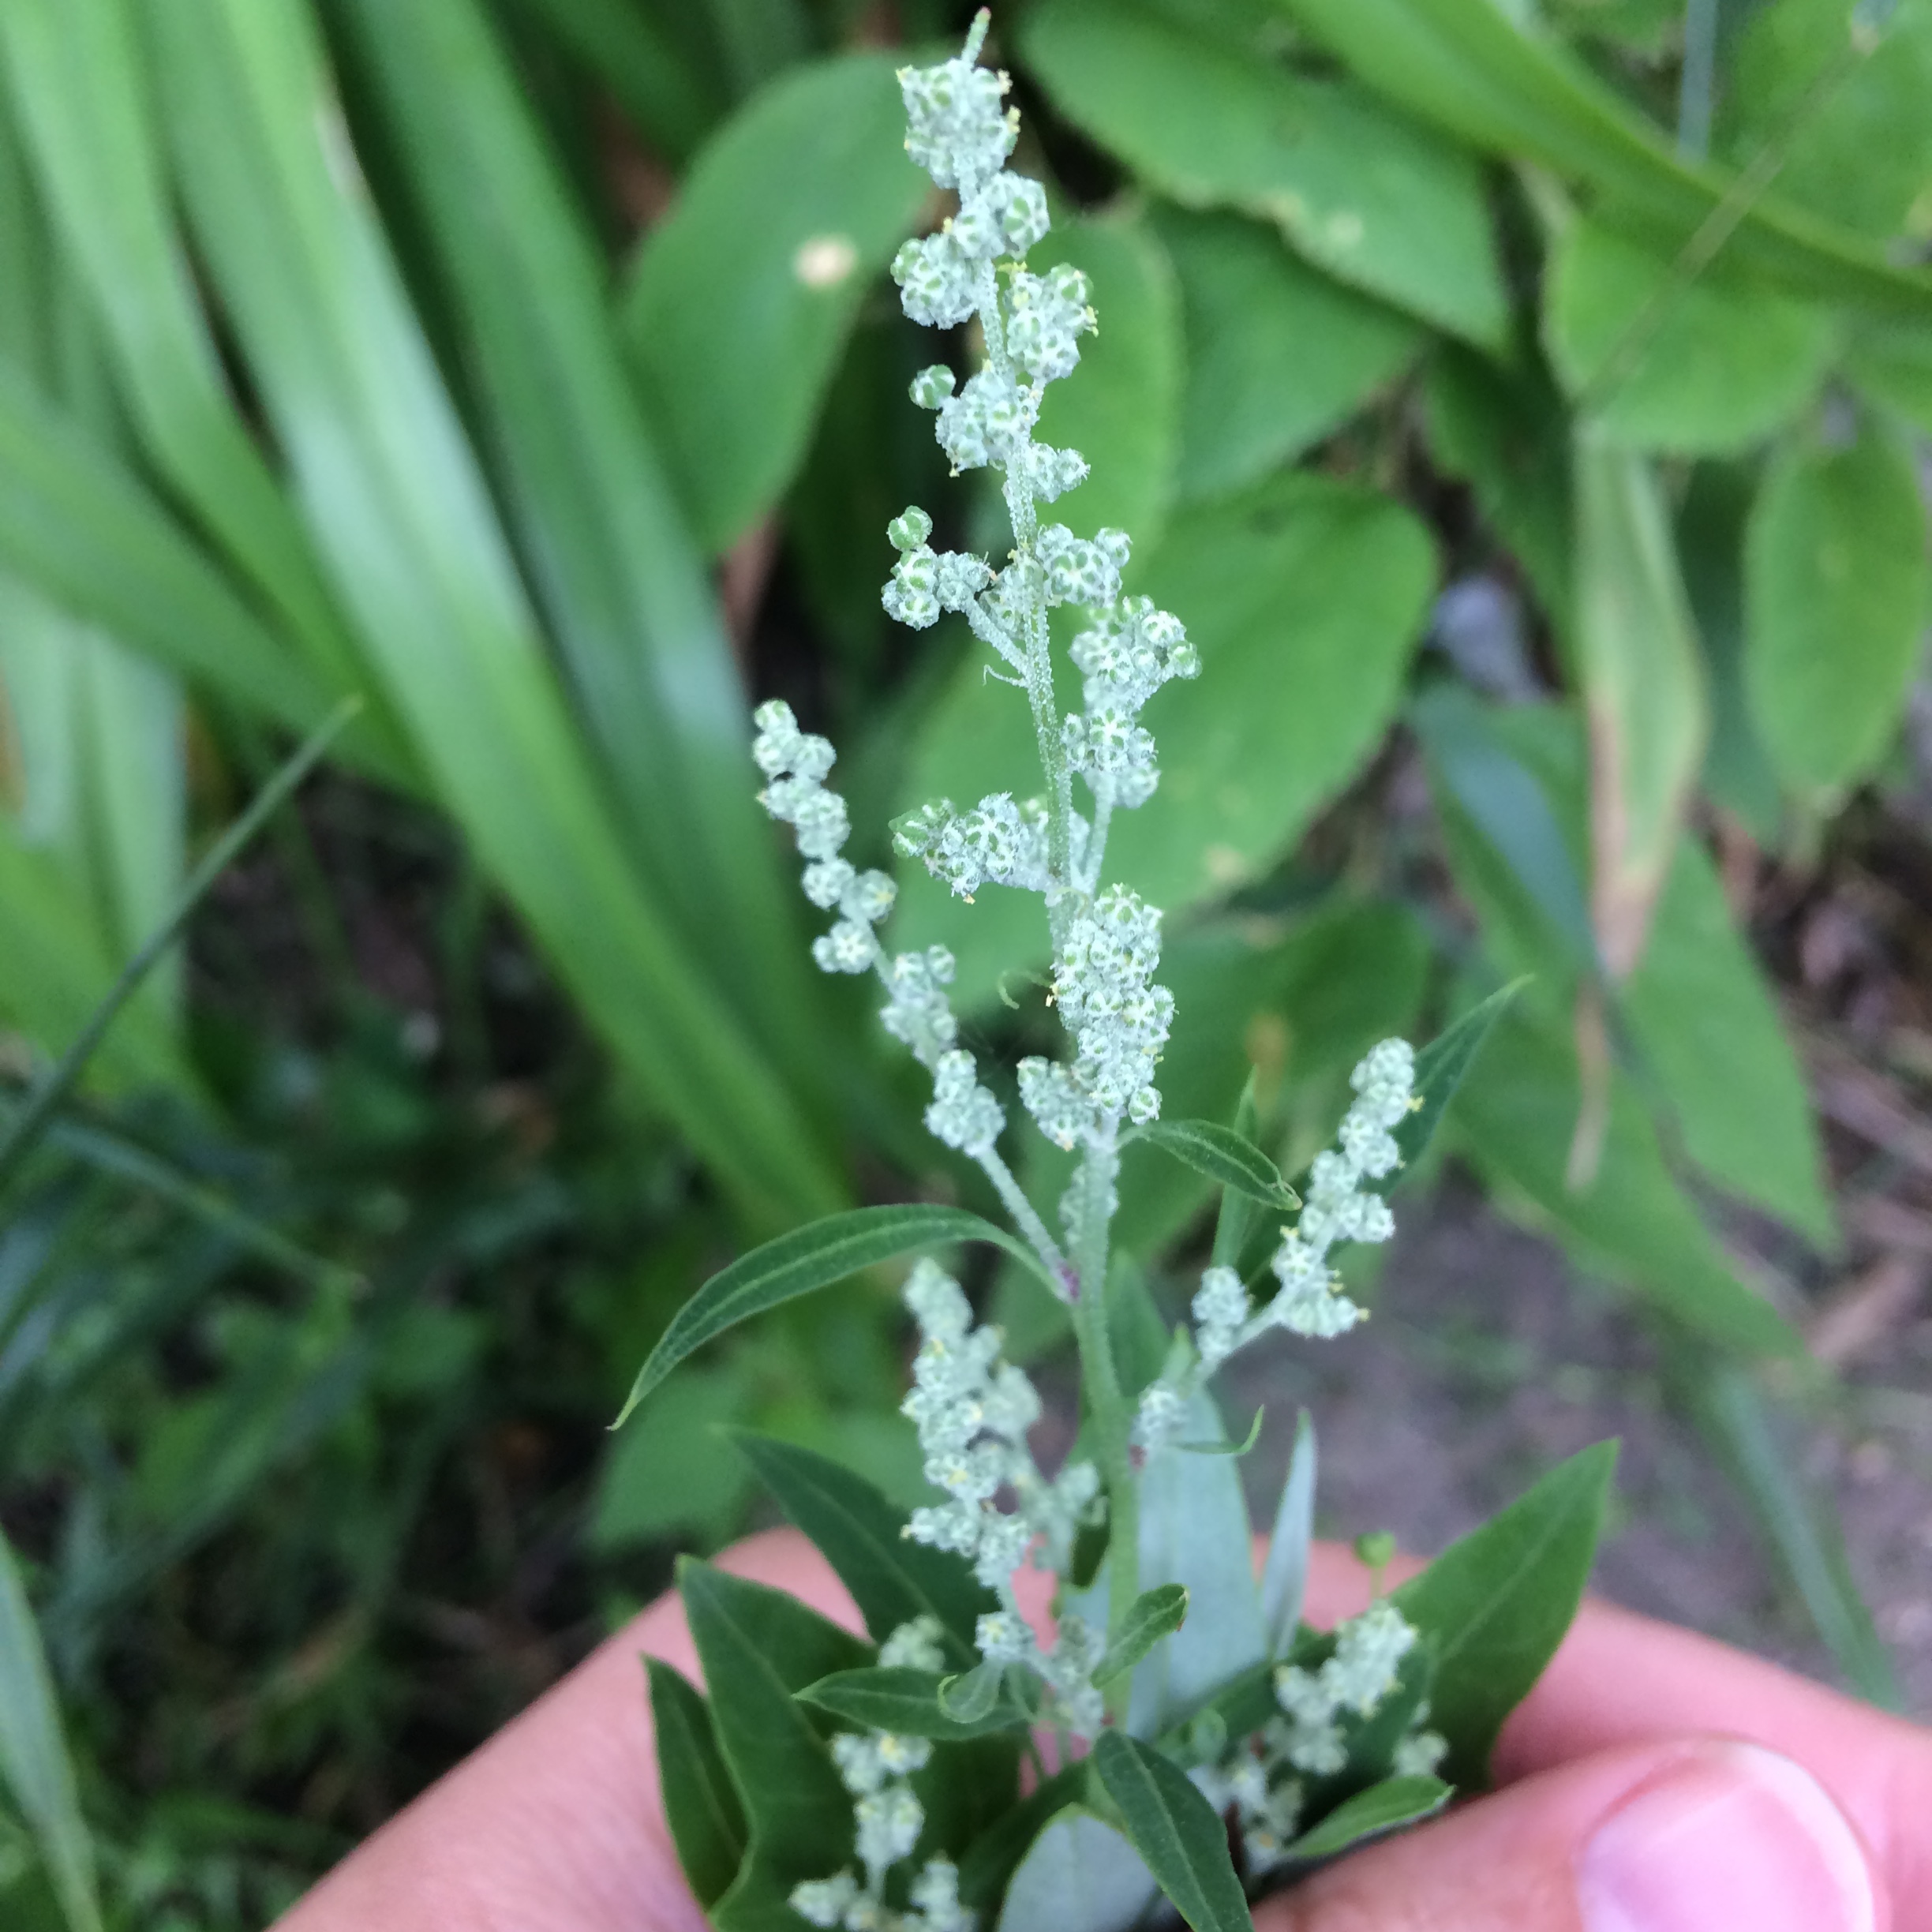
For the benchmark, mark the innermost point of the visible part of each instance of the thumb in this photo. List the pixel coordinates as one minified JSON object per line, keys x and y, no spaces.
{"x":1704,"y":1836}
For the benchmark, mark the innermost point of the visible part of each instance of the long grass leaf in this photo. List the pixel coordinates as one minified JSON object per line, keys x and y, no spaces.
{"x":393,"y":492}
{"x":641,"y":639}
{"x":33,"y":1754}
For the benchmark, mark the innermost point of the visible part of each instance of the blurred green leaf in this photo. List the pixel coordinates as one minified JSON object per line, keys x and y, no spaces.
{"x":1465,"y":66}
{"x":1891,"y":361}
{"x":1643,"y":691}
{"x":1176,"y":1830}
{"x":1443,"y":1065}
{"x":741,"y":298}
{"x":1704,"y":366}
{"x":642,"y":639}
{"x":670,"y":1472}
{"x":1842,"y":101}
{"x":1123,"y":414}
{"x":1078,"y":1875}
{"x":1516,"y":1116}
{"x":33,"y":1754}
{"x":701,"y":1804}
{"x":400,"y":510}
{"x":1391,"y":1806}
{"x":1153,"y":1614}
{"x":1836,"y":593}
{"x":1372,"y":198}
{"x":892,"y":1579}
{"x":915,"y":1702}
{"x":1284,"y":1581}
{"x":81,"y":88}
{"x":1497,"y":1602}
{"x":1506,"y":431}
{"x":808,"y":1259}
{"x":1278,"y":355}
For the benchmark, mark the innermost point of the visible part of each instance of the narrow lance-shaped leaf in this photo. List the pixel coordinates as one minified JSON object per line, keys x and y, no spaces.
{"x":1221,"y":1154}
{"x":808,"y":1258}
{"x":861,"y":1534}
{"x":1176,"y":1830}
{"x":1644,"y":685}
{"x":1497,"y":1604}
{"x":1078,"y":1875}
{"x":1393,"y":1805}
{"x":1439,"y":1068}
{"x":1150,"y":1617}
{"x":701,"y":1804}
{"x":33,"y":1754}
{"x":916,"y":1704}
{"x":972,"y":1697}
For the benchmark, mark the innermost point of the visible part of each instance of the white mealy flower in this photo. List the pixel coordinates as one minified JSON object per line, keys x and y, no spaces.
{"x":918,"y":1011}
{"x":1220,"y":1309}
{"x":1162,"y":1415}
{"x":1045,"y":317}
{"x":957,"y":129}
{"x":916,"y":1646}
{"x":890,"y":1822}
{"x":935,"y":1898}
{"x":964,"y":1114}
{"x":1370,"y":1650}
{"x":824,"y":1901}
{"x":1419,"y":1754}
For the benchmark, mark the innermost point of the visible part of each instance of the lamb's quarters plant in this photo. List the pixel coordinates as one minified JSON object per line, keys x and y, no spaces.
{"x":1174,"y":1708}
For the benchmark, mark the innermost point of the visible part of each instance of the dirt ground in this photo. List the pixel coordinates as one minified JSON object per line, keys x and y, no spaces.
{"x":1489,"y":1358}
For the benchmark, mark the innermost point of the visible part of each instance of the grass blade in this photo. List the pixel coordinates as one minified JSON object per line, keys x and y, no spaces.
{"x":33,"y":1754}
{"x":32,"y":1121}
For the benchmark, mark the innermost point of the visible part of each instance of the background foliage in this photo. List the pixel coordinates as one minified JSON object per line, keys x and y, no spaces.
{"x":1523,"y":404}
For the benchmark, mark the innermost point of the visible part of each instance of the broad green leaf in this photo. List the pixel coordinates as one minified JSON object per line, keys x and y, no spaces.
{"x":1194,"y":1532}
{"x":701,"y":1804}
{"x":742,"y":297}
{"x":400,"y":512}
{"x":33,"y":1754}
{"x":84,"y":534}
{"x":1836,"y":593}
{"x":1507,"y":432}
{"x":1224,"y":1156}
{"x":1372,"y":198}
{"x":1441,"y":1068}
{"x":808,"y":1258}
{"x":1643,"y":691}
{"x":623,"y":583}
{"x":1800,"y":1523}
{"x":1516,"y":1117}
{"x":1838,"y":94}
{"x":989,"y":1861}
{"x":760,"y":1647}
{"x":82,"y":91}
{"x":1278,"y":355}
{"x":1466,"y":67}
{"x":913,"y":1702}
{"x":892,"y":1578}
{"x":1079,"y":1876}
{"x":1497,"y":1604}
{"x":1703,"y":365}
{"x":1153,"y":1614}
{"x":1891,"y":362}
{"x":1284,"y":1581}
{"x":1281,"y":718}
{"x":665,"y":1476}
{"x":1391,"y":1806}
{"x":1121,"y":410}
{"x":1176,"y":1830}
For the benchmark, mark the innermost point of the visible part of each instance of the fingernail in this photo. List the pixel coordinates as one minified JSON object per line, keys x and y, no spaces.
{"x":1736,"y":1836}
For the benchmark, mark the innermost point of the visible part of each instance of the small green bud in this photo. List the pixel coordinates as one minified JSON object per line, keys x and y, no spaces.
{"x":909,"y":529}
{"x":931,"y":387}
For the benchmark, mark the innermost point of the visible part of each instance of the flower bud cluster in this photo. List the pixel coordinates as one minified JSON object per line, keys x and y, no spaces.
{"x":1266,"y":1802}
{"x":1103,"y":982}
{"x":997,"y":843}
{"x":1338,"y":1207}
{"x":796,"y":762}
{"x":1126,"y":657}
{"x":925,"y":581}
{"x":1368,"y":1653}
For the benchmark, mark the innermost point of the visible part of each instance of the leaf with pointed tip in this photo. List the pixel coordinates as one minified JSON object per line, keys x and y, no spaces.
{"x":701,"y":1802}
{"x":970,"y":1698}
{"x":986,"y":1867}
{"x":913,"y":1703}
{"x":1497,"y":1604}
{"x":1394,"y":1804}
{"x":1079,"y":1875}
{"x":1221,"y":1154}
{"x":1439,"y":1068}
{"x":807,"y":1259}
{"x":1176,"y":1830}
{"x":1151,"y":1616}
{"x":1285,"y":1580}
{"x":892,"y":1578}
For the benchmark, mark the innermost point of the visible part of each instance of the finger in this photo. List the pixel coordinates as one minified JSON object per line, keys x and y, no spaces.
{"x":555,"y":1825}
{"x":1707,"y":1836}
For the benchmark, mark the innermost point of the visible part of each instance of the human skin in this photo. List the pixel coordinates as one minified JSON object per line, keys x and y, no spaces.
{"x":1650,"y":1783}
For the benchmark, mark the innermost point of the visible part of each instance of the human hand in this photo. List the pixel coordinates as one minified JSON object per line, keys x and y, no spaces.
{"x":1653,"y":1781}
